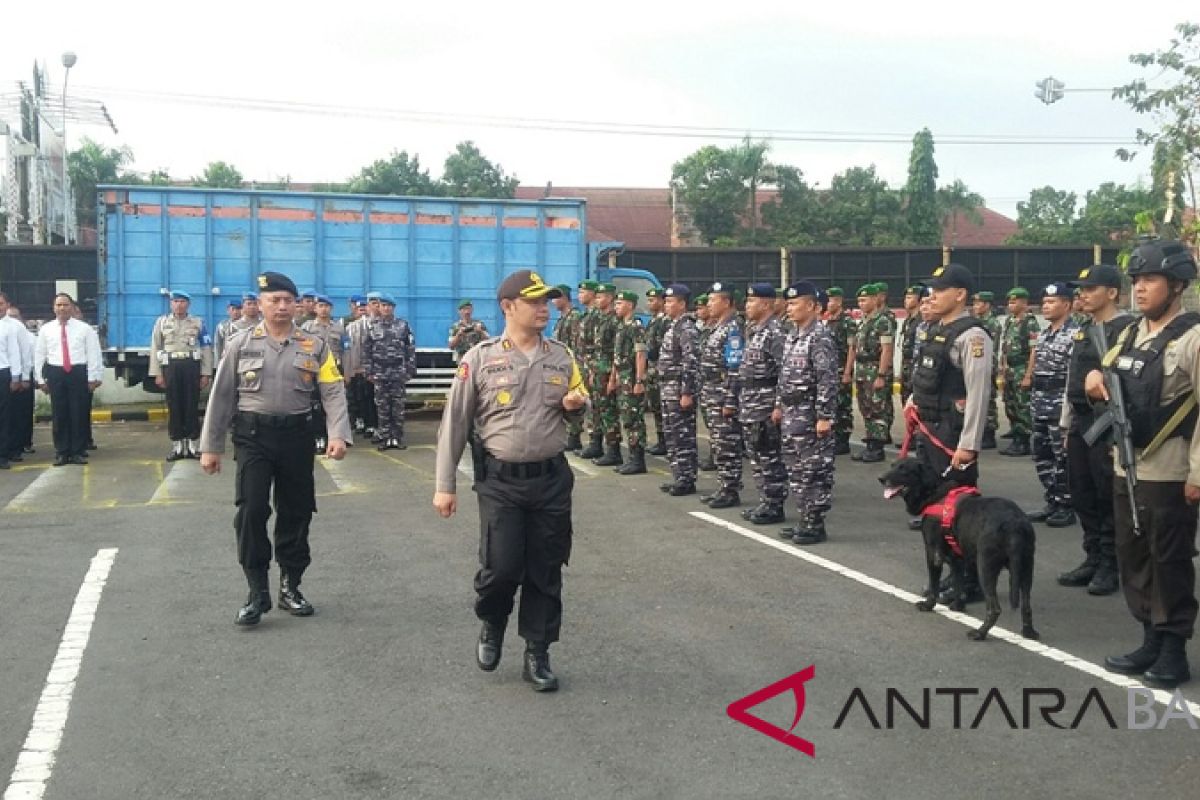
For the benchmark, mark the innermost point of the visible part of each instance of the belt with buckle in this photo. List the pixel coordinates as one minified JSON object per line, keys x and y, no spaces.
{"x":274,"y":420}
{"x":524,"y":469}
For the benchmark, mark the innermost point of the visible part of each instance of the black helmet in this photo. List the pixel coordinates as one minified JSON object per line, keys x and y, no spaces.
{"x":1162,"y":257}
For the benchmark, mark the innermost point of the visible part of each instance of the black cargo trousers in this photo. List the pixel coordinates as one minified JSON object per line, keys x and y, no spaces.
{"x":182,"y":376}
{"x":525,"y":539}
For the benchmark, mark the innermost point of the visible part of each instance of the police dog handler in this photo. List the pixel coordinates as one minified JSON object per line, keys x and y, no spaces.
{"x":516,"y":391}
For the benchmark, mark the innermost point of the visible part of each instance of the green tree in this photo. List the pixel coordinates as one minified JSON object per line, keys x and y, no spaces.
{"x":399,"y":175}
{"x":92,"y":164}
{"x":860,"y":209}
{"x":1110,"y":212}
{"x":467,"y":173}
{"x":749,"y":163}
{"x":1048,"y":217}
{"x":159,"y":177}
{"x":794,"y":216}
{"x":955,"y":201}
{"x":1174,"y":104}
{"x":708,"y":186}
{"x":921,"y":193}
{"x":219,"y":175}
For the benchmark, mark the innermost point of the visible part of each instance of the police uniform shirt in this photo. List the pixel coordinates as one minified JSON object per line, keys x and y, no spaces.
{"x":514,"y":402}
{"x":1177,"y":459}
{"x":179,"y":337}
{"x":331,"y":332}
{"x":972,"y":353}
{"x":265,"y":376}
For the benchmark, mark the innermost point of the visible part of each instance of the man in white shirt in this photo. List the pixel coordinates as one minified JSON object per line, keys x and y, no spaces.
{"x":21,"y":410}
{"x":12,"y":374}
{"x":68,"y":357}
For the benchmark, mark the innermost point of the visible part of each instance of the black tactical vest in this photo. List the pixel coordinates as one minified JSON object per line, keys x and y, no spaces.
{"x":1141,"y":374}
{"x":1084,"y":359}
{"x":937,"y":384}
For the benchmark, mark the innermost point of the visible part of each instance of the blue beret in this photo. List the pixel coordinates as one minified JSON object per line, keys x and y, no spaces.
{"x":357,"y":298}
{"x":235,"y":303}
{"x":374,"y":295}
{"x":309,"y":293}
{"x":803,"y":289}
{"x":1058,"y":289}
{"x":760,"y":290}
{"x":726,"y":289}
{"x":179,"y":294}
{"x":361,"y":302}
{"x":250,"y":296}
{"x":386,"y":299}
{"x":677,"y":290}
{"x":324,"y":298}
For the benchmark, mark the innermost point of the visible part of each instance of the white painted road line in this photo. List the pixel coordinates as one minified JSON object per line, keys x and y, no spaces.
{"x":182,"y":473}
{"x":36,"y":761}
{"x":45,"y":485}
{"x":337,"y":471}
{"x":465,"y":466}
{"x":1052,"y":653}
{"x":579,"y":466}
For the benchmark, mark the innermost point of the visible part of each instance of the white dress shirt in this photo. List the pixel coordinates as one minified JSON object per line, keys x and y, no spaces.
{"x":82,"y":343}
{"x":12,"y":357}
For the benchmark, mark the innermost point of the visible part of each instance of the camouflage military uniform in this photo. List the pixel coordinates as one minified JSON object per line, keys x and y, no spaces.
{"x":702,"y":334}
{"x":630,"y":339}
{"x":1052,"y":356}
{"x":585,"y":353}
{"x":808,"y":385}
{"x":390,"y":361}
{"x":1016,"y":337}
{"x":758,"y":382}
{"x":908,"y":342}
{"x":473,"y":333}
{"x":605,"y":332}
{"x":566,"y":330}
{"x":655,"y":329}
{"x":678,"y":373}
{"x":992,"y":325}
{"x":875,"y":333}
{"x":889,"y":404}
{"x":844,"y":330}
{"x":719,"y":361}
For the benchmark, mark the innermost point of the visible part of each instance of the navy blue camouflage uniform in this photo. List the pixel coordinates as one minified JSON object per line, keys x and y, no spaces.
{"x":720,"y":357}
{"x":678,"y":374}
{"x":1051,"y":359}
{"x":758,"y":379}
{"x":808,"y":392}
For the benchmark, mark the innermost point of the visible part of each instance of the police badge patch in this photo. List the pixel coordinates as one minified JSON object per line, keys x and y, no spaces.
{"x":977,"y":348}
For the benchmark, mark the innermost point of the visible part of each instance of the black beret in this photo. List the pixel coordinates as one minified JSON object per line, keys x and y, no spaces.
{"x":276,"y":282}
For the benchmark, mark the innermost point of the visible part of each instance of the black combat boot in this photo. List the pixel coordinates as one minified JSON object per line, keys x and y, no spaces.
{"x":290,"y":599}
{"x":635,"y":464}
{"x":491,"y":643}
{"x":813,"y":532}
{"x":259,"y":600}
{"x":758,"y":509}
{"x":873,"y":452}
{"x":766,"y":515}
{"x":1081,"y":575}
{"x":1018,"y":447}
{"x":1171,"y":668}
{"x":573,"y":443}
{"x":679,"y":489}
{"x":1107,"y":579}
{"x":843,"y":445}
{"x":537,"y":667}
{"x":989,"y":439}
{"x":611,"y":457}
{"x":971,"y":593}
{"x":710,"y":465}
{"x":659,"y":449}
{"x":595,"y":447}
{"x":866,"y":446}
{"x":666,"y":486}
{"x":1043,"y":515}
{"x":1063,"y":517}
{"x":725,"y":498}
{"x":1141,"y":659}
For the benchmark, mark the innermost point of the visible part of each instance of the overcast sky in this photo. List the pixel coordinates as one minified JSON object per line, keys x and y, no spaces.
{"x":861,"y":68}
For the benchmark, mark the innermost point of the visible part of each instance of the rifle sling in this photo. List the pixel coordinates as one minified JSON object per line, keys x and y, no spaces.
{"x":1166,"y":430}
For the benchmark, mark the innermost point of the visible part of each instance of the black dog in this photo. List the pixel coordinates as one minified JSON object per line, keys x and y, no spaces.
{"x":992,"y":532}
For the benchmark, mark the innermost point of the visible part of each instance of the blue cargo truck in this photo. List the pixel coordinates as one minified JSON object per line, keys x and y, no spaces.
{"x":427,"y":252}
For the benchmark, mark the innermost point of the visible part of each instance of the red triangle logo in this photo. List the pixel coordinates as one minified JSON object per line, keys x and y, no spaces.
{"x":739,"y":710}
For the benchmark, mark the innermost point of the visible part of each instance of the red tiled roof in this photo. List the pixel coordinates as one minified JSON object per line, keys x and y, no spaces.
{"x":637,"y":217}
{"x":994,"y":230}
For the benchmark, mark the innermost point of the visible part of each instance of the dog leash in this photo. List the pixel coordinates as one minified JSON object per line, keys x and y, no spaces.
{"x":915,"y":423}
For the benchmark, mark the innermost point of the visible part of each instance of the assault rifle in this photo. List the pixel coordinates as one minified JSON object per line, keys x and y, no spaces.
{"x":1115,"y":419}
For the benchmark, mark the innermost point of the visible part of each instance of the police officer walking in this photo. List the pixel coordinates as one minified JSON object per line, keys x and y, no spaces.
{"x":628,"y":381}
{"x":390,"y":362}
{"x":1158,"y":364}
{"x":806,"y":408}
{"x":1017,"y":337}
{"x":1090,"y":467}
{"x":758,"y":385}
{"x":655,"y":328}
{"x":517,"y":407}
{"x":720,"y":358}
{"x":678,"y":373}
{"x":181,"y":363}
{"x":262,"y":389}
{"x":1051,"y":356}
{"x":844,"y":329}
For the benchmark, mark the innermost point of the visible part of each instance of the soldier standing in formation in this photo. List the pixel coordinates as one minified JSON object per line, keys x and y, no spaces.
{"x":889,"y":405}
{"x":844,"y":329}
{"x":587,"y":352}
{"x":627,"y":381}
{"x":1079,"y":313}
{"x":516,"y":407}
{"x":566,"y":330}
{"x":333,"y":333}
{"x":678,"y":374}
{"x":467,"y":332}
{"x":720,"y":357}
{"x":907,"y":335}
{"x":1051,"y":356}
{"x":225,"y":327}
{"x":250,"y":317}
{"x":987,"y":317}
{"x":1157,"y":361}
{"x":1090,"y":467}
{"x":1017,"y":337}
{"x":872,"y":357}
{"x":655,"y":329}
{"x":262,"y":389}
{"x":181,"y":362}
{"x":605,"y":331}
{"x":758,"y":384}
{"x":806,"y":408}
{"x":390,"y":362}
{"x":703,"y":329}
{"x":362,"y":393}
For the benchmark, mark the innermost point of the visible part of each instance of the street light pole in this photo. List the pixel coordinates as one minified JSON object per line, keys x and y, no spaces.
{"x":68,"y":61}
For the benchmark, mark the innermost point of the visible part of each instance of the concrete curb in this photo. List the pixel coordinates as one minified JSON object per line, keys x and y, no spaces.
{"x":160,"y":414}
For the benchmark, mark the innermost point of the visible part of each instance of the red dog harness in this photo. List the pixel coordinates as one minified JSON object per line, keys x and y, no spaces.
{"x":946,"y":510}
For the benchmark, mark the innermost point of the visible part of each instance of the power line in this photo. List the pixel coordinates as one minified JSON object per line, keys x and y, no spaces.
{"x":592,"y":126}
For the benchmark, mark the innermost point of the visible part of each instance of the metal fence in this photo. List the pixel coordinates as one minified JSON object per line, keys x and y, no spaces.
{"x":31,"y":274}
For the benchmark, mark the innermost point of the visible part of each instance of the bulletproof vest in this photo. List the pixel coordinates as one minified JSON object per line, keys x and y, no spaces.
{"x":1084,"y":359}
{"x":1141,"y":373}
{"x":936,"y":383}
